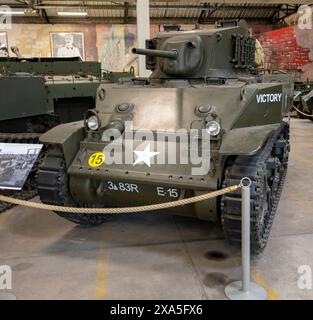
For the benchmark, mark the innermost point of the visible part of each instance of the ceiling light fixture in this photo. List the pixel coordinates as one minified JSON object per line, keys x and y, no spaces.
{"x":72,"y":13}
{"x":12,"y":13}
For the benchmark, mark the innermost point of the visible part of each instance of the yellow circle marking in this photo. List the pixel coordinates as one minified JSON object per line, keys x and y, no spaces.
{"x":96,"y":159}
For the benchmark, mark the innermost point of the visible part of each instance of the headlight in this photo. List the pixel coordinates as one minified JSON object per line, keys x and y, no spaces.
{"x":213,"y":128}
{"x":92,"y":123}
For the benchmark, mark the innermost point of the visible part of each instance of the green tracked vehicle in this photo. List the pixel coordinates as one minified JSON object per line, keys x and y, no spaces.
{"x":36,"y":94}
{"x":203,"y":82}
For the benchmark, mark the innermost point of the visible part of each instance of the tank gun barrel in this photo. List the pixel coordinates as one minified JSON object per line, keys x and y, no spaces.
{"x":173,"y":55}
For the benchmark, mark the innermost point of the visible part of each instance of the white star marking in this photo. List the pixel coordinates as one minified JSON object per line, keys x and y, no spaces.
{"x":145,"y":156}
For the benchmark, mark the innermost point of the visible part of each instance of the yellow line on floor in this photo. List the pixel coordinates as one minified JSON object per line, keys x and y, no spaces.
{"x":101,"y":287}
{"x":302,"y":201}
{"x":101,"y":276}
{"x":257,"y":277}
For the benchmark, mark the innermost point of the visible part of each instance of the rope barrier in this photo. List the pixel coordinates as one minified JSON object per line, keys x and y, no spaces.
{"x":152,"y":207}
{"x":305,"y":114}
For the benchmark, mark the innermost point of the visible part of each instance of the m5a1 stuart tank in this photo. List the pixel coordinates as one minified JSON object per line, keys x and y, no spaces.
{"x":201,"y":81}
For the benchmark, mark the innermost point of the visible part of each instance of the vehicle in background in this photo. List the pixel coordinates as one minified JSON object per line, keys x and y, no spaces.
{"x":36,"y":94}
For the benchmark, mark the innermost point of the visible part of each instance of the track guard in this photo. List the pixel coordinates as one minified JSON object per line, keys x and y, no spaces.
{"x":67,"y":136}
{"x":246,"y":141}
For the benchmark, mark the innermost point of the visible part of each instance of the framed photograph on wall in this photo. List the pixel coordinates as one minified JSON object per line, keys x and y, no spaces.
{"x":67,"y":44}
{"x":4,"y":51}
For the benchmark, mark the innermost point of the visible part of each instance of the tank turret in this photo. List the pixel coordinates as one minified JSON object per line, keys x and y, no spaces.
{"x":224,"y":52}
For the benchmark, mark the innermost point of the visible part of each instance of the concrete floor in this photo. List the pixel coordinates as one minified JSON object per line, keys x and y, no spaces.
{"x":157,"y":256}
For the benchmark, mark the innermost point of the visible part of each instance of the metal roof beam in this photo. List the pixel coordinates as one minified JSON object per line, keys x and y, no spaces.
{"x":207,"y":11}
{"x":206,"y":7}
{"x":126,"y":11}
{"x":43,"y":14}
{"x":272,"y":13}
{"x":196,"y":1}
{"x":131,"y":20}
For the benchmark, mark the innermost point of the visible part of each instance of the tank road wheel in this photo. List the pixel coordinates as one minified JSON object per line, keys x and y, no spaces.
{"x":267,"y":171}
{"x":53,"y":189}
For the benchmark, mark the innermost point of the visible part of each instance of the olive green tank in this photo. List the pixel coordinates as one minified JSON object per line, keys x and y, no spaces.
{"x":204,"y":104}
{"x":36,"y":94}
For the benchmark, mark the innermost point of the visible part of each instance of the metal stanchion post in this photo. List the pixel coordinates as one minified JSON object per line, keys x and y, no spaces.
{"x":245,"y":289}
{"x":245,"y":236}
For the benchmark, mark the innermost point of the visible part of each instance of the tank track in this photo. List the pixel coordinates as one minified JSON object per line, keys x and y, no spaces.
{"x":53,"y":189}
{"x":267,"y":171}
{"x":29,"y":191}
{"x":19,"y":137}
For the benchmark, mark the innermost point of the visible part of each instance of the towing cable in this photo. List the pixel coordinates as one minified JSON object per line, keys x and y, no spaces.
{"x":137,"y":209}
{"x":301,"y":112}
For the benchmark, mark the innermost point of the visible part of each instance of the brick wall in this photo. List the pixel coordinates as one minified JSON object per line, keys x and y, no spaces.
{"x":282,"y":50}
